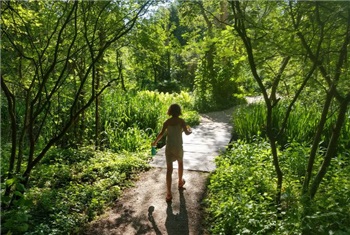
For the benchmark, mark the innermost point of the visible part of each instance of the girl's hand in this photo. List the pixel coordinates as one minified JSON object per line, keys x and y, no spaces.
{"x":189,"y":130}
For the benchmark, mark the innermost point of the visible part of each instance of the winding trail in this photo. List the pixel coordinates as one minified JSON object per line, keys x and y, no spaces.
{"x":142,"y":209}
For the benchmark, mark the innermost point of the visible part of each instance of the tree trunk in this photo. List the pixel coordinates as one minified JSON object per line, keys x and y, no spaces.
{"x":120,"y":70}
{"x":241,"y":30}
{"x":97,"y":115}
{"x":12,"y":113}
{"x":210,"y":73}
{"x":332,"y":147}
{"x":316,"y":141}
{"x":278,"y":170}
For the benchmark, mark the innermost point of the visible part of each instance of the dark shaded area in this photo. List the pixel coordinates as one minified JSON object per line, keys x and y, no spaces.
{"x":177,"y":224}
{"x":153,"y":222}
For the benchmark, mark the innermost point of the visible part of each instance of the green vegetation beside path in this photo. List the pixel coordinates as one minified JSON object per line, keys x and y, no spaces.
{"x":85,"y":87}
{"x":71,"y":186}
{"x":242,"y":190}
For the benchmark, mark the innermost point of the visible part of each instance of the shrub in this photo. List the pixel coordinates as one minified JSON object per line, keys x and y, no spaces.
{"x":132,"y":119}
{"x":95,"y":183}
{"x":241,"y":190}
{"x":241,"y":193}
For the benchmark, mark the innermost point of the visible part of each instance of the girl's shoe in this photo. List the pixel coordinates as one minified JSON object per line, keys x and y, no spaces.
{"x":168,"y":198}
{"x":181,"y":185}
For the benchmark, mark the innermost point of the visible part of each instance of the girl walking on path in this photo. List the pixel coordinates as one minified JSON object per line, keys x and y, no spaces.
{"x":173,"y":149}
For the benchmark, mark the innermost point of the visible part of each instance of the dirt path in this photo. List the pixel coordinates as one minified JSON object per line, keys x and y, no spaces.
{"x":142,"y":209}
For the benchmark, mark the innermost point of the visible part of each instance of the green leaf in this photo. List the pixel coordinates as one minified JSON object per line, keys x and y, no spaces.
{"x":10,"y":182}
{"x":20,"y":187}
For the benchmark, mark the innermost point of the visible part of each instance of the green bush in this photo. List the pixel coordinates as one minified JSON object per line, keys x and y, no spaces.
{"x":330,"y":211}
{"x":241,"y":190}
{"x":218,"y":89}
{"x":171,"y":86}
{"x":241,"y":193}
{"x":82,"y":190}
{"x":249,"y":121}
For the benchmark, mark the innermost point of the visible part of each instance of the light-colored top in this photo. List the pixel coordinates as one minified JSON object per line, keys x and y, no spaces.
{"x":174,"y":126}
{"x":174,"y":136}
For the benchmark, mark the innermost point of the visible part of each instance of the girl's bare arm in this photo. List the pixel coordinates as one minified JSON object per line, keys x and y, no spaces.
{"x":160,"y":135}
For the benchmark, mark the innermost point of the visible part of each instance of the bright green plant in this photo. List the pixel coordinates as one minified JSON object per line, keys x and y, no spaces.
{"x":249,"y":121}
{"x":132,"y":119}
{"x":17,"y":219}
{"x":241,"y":190}
{"x":65,"y":194}
{"x":330,"y":211}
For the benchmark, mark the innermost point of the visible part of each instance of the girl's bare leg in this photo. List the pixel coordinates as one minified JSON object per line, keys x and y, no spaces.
{"x":169,"y":173}
{"x":180,"y":171}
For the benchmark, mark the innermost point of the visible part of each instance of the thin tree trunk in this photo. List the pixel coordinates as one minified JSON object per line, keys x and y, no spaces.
{"x":11,"y":109}
{"x":332,"y":147}
{"x":210,"y":53}
{"x":241,"y":30}
{"x":316,"y":141}
{"x":120,"y":70}
{"x":277,"y":79}
{"x":97,"y":116}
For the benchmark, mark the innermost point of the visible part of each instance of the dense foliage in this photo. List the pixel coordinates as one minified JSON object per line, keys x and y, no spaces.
{"x":242,"y":189}
{"x":71,"y":186}
{"x":142,"y":113}
{"x":89,"y":80}
{"x":302,"y":72}
{"x":241,"y":193}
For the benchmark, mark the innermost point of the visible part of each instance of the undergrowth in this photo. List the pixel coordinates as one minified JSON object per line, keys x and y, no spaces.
{"x":74,"y":184}
{"x":241,"y":193}
{"x":250,"y":121}
{"x":72,"y":187}
{"x":242,"y":190}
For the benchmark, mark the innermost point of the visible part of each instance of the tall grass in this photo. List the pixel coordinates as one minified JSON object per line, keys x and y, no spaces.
{"x":131,"y":119}
{"x":250,"y":121}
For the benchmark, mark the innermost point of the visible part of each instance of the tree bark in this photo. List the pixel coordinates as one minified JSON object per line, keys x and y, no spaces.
{"x":316,"y":141}
{"x":332,"y":147}
{"x":11,"y":101}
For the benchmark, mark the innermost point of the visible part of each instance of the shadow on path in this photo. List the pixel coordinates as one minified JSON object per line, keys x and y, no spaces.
{"x":152,"y":220}
{"x":177,"y":224}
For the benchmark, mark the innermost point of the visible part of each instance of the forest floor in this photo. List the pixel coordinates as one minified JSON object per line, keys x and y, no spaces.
{"x":142,"y":209}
